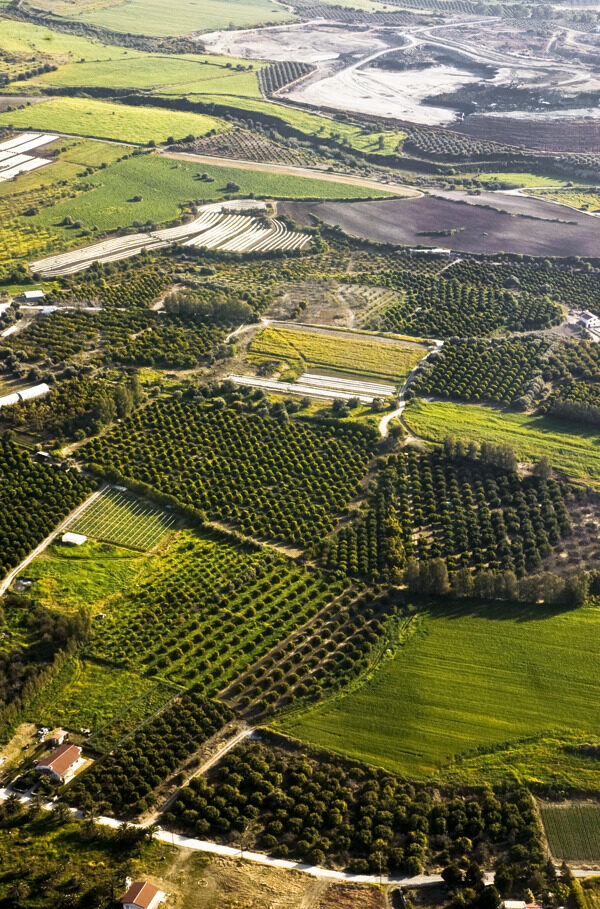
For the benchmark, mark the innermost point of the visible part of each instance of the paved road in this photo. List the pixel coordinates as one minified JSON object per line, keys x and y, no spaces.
{"x":385,"y":421}
{"x":10,"y":577}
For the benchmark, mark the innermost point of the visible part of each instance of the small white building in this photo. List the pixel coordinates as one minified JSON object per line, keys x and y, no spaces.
{"x":73,"y":539}
{"x":514,"y":904}
{"x":58,"y":737}
{"x":142,"y":895}
{"x":8,"y":400}
{"x":62,"y":763}
{"x":587,"y":319}
{"x":32,"y":296}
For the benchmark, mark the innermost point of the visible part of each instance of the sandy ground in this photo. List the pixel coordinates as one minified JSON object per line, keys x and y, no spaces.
{"x":385,"y":93}
{"x":304,"y":43}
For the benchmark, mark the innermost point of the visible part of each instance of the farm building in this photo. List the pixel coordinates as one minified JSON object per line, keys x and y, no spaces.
{"x":58,"y":737}
{"x":62,"y":763}
{"x":26,"y":394}
{"x":32,"y":296}
{"x":513,"y":904}
{"x":142,"y":895}
{"x":7,"y":400}
{"x":73,"y":539}
{"x":588,"y":319}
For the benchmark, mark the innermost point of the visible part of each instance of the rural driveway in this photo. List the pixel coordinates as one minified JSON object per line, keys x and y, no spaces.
{"x":39,"y":549}
{"x":395,"y":189}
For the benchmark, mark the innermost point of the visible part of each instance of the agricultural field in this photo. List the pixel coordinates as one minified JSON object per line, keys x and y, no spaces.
{"x":34,"y":498}
{"x":343,"y":797}
{"x":476,"y":514}
{"x":584,"y":199}
{"x":348,"y":354}
{"x":123,"y":781}
{"x":111,"y":702}
{"x":573,"y":831}
{"x":92,"y":575}
{"x":118,"y":518}
{"x":189,"y":16}
{"x":106,"y":120}
{"x":283,"y":481}
{"x":208,"y":610}
{"x":532,"y":437}
{"x":533,"y":674}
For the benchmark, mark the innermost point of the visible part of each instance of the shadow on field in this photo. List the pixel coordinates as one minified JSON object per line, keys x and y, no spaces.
{"x":496,"y":611}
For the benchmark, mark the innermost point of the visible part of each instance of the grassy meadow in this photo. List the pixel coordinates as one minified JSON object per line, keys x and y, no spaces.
{"x":472,"y":678}
{"x":94,"y":696}
{"x":102,"y":119}
{"x":573,"y":831}
{"x":353,"y":355}
{"x":68,"y":578}
{"x":574,"y":450}
{"x":154,"y":17}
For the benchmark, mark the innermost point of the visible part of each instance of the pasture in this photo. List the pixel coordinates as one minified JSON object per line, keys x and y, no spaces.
{"x":180,"y":75}
{"x":105,"y":120}
{"x":473,"y":677}
{"x":154,"y":17}
{"x":118,"y":518}
{"x":576,"y":452}
{"x":67,"y":578}
{"x":94,"y":696}
{"x":164,"y":185}
{"x":573,"y":831}
{"x":350,"y":354}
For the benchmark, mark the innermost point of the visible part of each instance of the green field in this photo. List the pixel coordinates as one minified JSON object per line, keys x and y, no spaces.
{"x":164,"y":183}
{"x":22,"y":38}
{"x":154,"y":17}
{"x":178,"y":75}
{"x":68,"y":578}
{"x":118,"y":518}
{"x":87,"y":117}
{"x":576,"y":452}
{"x":573,"y":831}
{"x":472,"y":677}
{"x":522,"y":179}
{"x":93,"y":696}
{"x":350,"y":354}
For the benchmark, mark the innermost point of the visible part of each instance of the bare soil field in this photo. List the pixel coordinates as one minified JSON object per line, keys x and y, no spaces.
{"x":397,"y":95}
{"x":304,"y":43}
{"x":552,"y":134}
{"x":439,"y":222}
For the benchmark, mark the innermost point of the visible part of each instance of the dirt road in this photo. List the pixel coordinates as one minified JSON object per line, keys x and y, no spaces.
{"x":395,"y":189}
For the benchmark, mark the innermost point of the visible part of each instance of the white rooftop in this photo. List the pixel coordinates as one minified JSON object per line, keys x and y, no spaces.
{"x":75,"y":539}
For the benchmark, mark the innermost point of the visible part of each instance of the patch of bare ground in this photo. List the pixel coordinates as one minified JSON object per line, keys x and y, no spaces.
{"x":352,"y":896}
{"x":17,"y":748}
{"x":192,"y":881}
{"x":8,"y":102}
{"x":312,"y":301}
{"x":581,"y":550}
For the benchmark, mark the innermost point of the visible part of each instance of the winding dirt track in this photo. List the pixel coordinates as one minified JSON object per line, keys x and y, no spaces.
{"x":395,"y":189}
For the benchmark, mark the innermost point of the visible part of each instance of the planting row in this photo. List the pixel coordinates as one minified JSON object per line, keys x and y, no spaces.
{"x":460,"y":506}
{"x":275,"y":478}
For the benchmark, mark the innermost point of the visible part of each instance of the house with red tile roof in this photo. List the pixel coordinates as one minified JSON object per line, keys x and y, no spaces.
{"x":62,"y":763}
{"x":142,"y":895}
